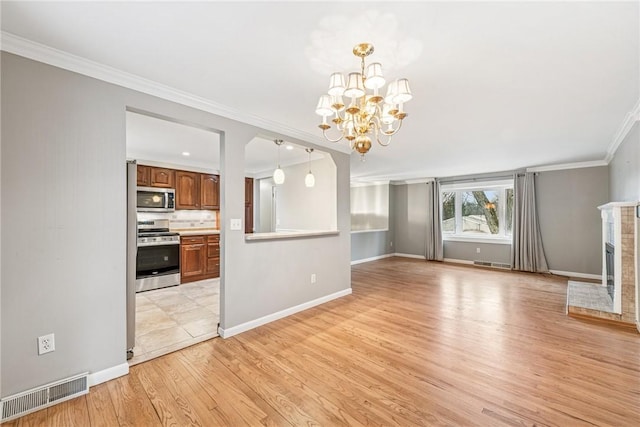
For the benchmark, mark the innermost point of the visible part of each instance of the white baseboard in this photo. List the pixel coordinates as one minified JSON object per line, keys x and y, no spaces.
{"x":374,"y":258}
{"x":458,"y":261}
{"x":105,"y":375}
{"x":409,"y":255}
{"x":578,"y":275}
{"x":235,"y":330}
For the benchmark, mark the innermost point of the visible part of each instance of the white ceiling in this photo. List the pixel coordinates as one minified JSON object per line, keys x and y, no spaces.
{"x":497,"y":85}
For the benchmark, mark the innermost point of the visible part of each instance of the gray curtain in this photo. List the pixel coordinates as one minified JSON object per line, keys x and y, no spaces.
{"x":527,"y":253}
{"x":434,"y":250}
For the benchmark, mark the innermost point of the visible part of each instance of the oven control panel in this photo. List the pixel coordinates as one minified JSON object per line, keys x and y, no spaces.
{"x":158,"y":240}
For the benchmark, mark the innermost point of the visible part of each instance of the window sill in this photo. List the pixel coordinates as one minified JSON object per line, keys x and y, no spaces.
{"x":470,"y":239}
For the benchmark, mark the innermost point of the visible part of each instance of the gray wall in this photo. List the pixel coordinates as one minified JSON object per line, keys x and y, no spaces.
{"x":370,"y":244}
{"x":409,"y":205}
{"x":570,"y":222}
{"x":468,"y":251}
{"x":624,"y":169}
{"x":63,"y":142}
{"x":370,"y":207}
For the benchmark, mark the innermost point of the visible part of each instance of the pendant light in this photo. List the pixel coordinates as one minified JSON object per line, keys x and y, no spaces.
{"x":278,"y":174}
{"x":309,"y":180}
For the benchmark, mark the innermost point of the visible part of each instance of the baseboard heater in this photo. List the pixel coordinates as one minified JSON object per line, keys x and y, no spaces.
{"x":493,"y":264}
{"x":42,"y":397}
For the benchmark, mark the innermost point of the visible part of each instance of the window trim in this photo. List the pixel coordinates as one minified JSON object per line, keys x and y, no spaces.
{"x":501,"y":186}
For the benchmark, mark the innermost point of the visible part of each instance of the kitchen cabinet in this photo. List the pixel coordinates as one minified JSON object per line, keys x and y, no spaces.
{"x":197,"y":191}
{"x":187,"y":190}
{"x":149,"y":176}
{"x":248,"y":205}
{"x":192,"y":258}
{"x":209,"y":192}
{"x":213,"y":256}
{"x":200,"y":257}
{"x":162,"y":177}
{"x":144,"y":176}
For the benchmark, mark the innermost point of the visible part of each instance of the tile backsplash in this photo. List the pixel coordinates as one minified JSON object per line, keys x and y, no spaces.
{"x":183,"y":219}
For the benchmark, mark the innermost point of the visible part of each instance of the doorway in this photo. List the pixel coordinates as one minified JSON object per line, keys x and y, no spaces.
{"x":177,"y":165}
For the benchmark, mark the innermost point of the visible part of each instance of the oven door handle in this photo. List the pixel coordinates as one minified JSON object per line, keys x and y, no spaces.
{"x":143,"y":245}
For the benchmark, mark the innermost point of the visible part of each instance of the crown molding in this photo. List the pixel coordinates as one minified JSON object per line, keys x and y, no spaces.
{"x":412,"y":181}
{"x":626,"y":126}
{"x":42,"y":53}
{"x":563,"y":166}
{"x":355,"y":184}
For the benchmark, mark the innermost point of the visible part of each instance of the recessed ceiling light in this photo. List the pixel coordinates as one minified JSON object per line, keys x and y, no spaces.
{"x":289,"y":147}
{"x":186,"y":153}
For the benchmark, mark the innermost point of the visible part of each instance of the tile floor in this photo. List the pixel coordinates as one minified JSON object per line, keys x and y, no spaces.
{"x":589,"y":295}
{"x":173,"y":318}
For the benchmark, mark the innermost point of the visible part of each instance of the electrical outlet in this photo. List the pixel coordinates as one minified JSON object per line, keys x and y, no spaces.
{"x":46,"y":344}
{"x":477,"y":250}
{"x":391,"y":244}
{"x":313,"y":278}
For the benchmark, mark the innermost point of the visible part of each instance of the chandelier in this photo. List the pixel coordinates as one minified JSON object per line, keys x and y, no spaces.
{"x":368,"y":114}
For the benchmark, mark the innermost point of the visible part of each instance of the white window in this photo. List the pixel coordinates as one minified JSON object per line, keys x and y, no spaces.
{"x":477,"y":211}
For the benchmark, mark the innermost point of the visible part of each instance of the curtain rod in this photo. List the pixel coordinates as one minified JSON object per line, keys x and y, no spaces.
{"x":479,"y":179}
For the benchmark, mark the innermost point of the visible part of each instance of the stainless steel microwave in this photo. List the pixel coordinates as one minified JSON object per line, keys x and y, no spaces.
{"x":152,"y":199}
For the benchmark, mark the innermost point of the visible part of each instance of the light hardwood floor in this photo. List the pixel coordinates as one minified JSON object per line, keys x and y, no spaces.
{"x":416,"y":344}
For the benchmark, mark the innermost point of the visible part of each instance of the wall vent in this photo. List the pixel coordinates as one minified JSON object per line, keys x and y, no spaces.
{"x":41,"y":397}
{"x":492,"y":264}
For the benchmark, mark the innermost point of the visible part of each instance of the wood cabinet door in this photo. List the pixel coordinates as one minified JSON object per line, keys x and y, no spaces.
{"x":248,"y":191}
{"x":162,"y":177}
{"x":187,"y":190}
{"x":192,"y":261}
{"x":210,"y":191}
{"x":248,"y":219}
{"x":144,"y":176}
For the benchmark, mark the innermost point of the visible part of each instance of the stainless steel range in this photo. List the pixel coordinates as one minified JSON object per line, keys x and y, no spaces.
{"x":158,"y":258}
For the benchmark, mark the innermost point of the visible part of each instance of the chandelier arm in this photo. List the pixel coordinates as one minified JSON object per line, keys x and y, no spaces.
{"x":394,"y":131}
{"x":384,"y":144}
{"x":324,"y":133}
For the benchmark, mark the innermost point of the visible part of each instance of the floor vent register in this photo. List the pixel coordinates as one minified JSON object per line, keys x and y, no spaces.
{"x":41,"y":397}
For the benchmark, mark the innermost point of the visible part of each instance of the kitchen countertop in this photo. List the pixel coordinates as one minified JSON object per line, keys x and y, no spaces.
{"x":196,"y":231}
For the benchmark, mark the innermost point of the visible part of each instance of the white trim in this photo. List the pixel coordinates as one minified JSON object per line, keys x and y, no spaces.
{"x":617,"y":204}
{"x":368,"y":184}
{"x":473,"y":185}
{"x":625,"y":127}
{"x":373,"y":258}
{"x":458,"y":261}
{"x":409,"y":255}
{"x":413,"y":181}
{"x":578,"y":275}
{"x":235,"y":330}
{"x":61,"y":59}
{"x":564,"y":166}
{"x":469,"y":239}
{"x":108,"y":374}
{"x":373,"y":230}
